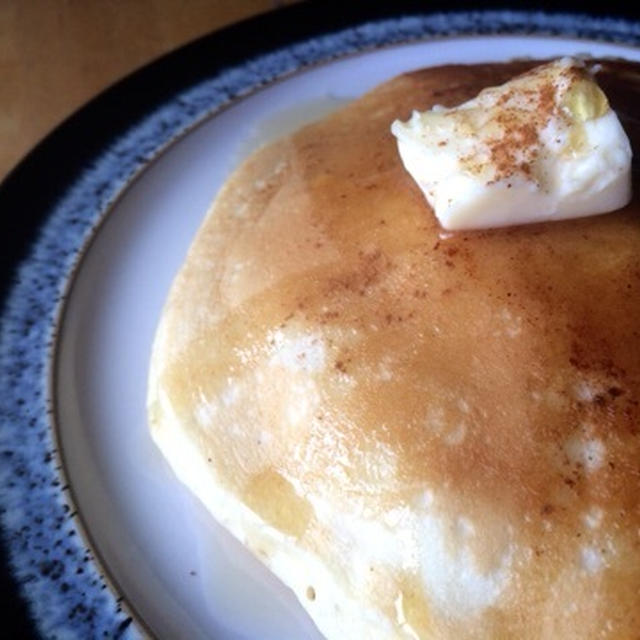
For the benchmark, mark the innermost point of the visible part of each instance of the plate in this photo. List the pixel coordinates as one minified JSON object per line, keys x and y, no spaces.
{"x":102,"y":538}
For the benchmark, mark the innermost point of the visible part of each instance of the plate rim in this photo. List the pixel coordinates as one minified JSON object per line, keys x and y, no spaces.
{"x":71,"y":263}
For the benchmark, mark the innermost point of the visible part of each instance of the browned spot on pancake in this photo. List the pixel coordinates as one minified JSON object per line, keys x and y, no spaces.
{"x":274,"y":499}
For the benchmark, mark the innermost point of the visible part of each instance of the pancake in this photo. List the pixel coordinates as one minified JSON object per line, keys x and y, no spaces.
{"x":423,"y":434}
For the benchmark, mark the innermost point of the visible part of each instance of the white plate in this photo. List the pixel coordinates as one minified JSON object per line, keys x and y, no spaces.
{"x":182,"y":574}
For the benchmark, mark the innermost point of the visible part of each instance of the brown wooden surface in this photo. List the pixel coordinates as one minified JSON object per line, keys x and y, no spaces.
{"x":57,"y":54}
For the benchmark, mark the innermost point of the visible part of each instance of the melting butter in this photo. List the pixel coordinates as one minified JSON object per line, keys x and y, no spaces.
{"x":543,"y":146}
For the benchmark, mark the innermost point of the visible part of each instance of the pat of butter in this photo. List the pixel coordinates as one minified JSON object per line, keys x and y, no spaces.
{"x":544,"y":146}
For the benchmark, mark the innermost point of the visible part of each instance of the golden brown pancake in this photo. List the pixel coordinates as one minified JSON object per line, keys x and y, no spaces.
{"x":424,"y":434}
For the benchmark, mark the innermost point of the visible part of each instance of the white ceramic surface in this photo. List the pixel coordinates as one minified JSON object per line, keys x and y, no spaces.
{"x":181,"y":573}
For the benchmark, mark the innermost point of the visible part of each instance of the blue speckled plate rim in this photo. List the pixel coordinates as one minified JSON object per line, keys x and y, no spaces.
{"x":68,"y":591}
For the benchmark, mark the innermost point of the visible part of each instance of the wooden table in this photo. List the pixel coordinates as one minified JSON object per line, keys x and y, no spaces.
{"x":57,"y":54}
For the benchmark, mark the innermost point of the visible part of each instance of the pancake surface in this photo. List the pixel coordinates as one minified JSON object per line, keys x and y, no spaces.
{"x":424,"y":434}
